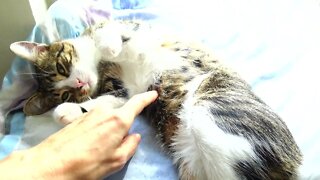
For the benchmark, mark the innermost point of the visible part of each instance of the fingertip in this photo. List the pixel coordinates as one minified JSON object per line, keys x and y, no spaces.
{"x":133,"y":138}
{"x":138,"y":102}
{"x":130,"y":144}
{"x":149,"y":97}
{"x":153,"y":93}
{"x":138,"y":137}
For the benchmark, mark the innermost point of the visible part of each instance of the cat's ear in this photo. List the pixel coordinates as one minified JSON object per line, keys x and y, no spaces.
{"x":28,"y":50}
{"x":38,"y":103}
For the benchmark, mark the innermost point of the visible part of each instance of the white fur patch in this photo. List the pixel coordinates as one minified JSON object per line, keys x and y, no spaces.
{"x":142,"y":60}
{"x":206,"y":150}
{"x":108,"y":39}
{"x":66,"y":113}
{"x":85,"y":64}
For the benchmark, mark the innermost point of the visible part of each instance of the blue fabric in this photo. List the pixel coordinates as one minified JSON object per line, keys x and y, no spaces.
{"x":130,"y":4}
{"x":10,"y":141}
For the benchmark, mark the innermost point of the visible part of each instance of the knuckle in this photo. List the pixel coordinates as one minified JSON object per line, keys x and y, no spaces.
{"x":122,"y":159}
{"x":116,"y":167}
{"x":98,"y":110}
{"x":119,"y":162}
{"x":118,"y":121}
{"x":99,"y":113}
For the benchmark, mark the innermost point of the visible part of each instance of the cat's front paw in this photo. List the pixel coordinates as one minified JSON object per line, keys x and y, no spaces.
{"x":67,"y":112}
{"x":109,"y":42}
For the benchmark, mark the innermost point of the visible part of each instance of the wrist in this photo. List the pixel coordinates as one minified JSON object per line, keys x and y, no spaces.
{"x":17,"y":166}
{"x":43,"y":163}
{"x":49,"y":163}
{"x":32,"y":163}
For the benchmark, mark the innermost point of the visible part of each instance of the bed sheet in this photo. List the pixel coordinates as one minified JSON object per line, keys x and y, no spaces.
{"x":274,"y":45}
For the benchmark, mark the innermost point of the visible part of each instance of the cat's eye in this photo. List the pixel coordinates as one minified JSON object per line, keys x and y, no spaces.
{"x":60,"y":69}
{"x":65,"y":96}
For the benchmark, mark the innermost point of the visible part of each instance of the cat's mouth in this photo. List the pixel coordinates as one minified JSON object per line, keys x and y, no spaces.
{"x":83,"y":86}
{"x":85,"y":90}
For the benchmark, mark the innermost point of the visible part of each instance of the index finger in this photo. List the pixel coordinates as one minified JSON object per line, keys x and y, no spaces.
{"x":136,"y":104}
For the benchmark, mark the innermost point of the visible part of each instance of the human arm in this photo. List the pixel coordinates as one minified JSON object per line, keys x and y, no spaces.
{"x":95,"y":145}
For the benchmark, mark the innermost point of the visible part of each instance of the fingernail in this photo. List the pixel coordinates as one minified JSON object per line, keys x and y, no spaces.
{"x":138,"y":136}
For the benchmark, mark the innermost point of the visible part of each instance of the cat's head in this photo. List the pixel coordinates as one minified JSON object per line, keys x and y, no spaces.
{"x":63,"y":71}
{"x":67,"y":70}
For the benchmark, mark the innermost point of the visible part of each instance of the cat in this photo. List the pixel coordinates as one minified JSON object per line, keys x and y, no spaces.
{"x":206,"y":117}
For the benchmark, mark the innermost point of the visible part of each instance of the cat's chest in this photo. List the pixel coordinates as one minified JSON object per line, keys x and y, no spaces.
{"x":124,"y":80}
{"x":173,"y":65}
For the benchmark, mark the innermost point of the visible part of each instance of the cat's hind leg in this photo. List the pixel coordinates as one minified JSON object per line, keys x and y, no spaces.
{"x":203,"y":151}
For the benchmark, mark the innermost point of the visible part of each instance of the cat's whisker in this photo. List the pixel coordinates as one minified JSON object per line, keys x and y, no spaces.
{"x":33,"y":75}
{"x":21,"y":77}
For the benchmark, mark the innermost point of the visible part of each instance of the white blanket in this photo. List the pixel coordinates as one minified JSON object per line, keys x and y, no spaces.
{"x":273,"y":44}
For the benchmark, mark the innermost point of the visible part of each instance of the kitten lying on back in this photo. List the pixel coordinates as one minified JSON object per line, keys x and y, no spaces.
{"x":207,"y":118}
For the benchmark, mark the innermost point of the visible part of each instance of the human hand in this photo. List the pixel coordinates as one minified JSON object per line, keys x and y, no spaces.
{"x":95,"y":145}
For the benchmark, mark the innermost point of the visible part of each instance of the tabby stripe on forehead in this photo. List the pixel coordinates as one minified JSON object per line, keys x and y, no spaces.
{"x":61,"y":50}
{"x":69,"y":56}
{"x":66,"y":65}
{"x":70,"y":53}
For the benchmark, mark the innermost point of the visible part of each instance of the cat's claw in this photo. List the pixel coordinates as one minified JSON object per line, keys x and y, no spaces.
{"x":67,"y":112}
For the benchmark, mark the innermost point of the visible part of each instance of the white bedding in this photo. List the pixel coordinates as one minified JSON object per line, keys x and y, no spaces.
{"x":274,"y":45}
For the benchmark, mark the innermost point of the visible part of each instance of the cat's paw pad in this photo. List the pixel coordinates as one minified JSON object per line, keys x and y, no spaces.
{"x":67,"y":112}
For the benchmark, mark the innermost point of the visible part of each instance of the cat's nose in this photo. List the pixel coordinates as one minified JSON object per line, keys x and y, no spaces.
{"x":80,"y":83}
